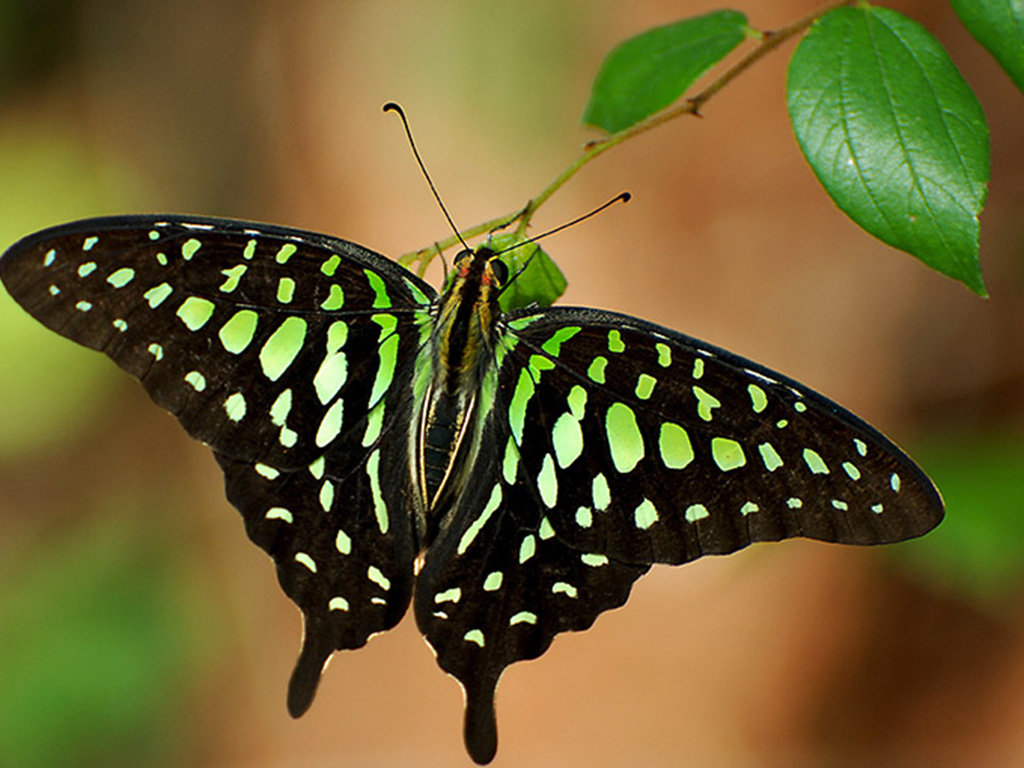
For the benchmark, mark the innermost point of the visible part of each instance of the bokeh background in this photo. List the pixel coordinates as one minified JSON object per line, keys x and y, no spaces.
{"x":138,"y":626}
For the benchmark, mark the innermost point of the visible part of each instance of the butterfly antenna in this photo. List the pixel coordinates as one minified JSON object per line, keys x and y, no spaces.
{"x":623,"y":197}
{"x":393,"y":107}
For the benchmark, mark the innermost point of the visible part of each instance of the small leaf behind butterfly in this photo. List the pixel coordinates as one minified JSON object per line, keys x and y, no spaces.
{"x":541,"y":283}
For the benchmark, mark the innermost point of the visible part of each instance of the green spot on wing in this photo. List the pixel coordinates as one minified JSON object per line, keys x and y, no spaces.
{"x":493,"y":502}
{"x":564,"y":588}
{"x":286,"y":252}
{"x":814,"y":462}
{"x":696,"y":512}
{"x":196,"y":380}
{"x":577,"y":401}
{"x":600,"y":492}
{"x":343,"y":543}
{"x":232,"y":276}
{"x":335,"y":299}
{"x":330,"y":424}
{"x":510,"y":464}
{"x":645,"y":515}
{"x":283,"y":346}
{"x":388,"y":353}
{"x":195,"y":312}
{"x":279,"y":513}
{"x":330,"y":266}
{"x":374,"y":423}
{"x":770,"y":456}
{"x":380,"y":509}
{"x":418,"y":295}
{"x":238,"y":332}
{"x":121,"y":277}
{"x":338,"y":604}
{"x":331,"y":376}
{"x":493,"y":581}
{"x":553,"y":346}
{"x":337,"y":335}
{"x":381,"y":299}
{"x":374,"y":574}
{"x":547,"y":483}
{"x":727,"y":454}
{"x":517,"y":408}
{"x":758,"y":398}
{"x":157,"y":294}
{"x":189,"y":248}
{"x":706,"y":402}
{"x":596,"y":370}
{"x":625,"y":442}
{"x":285,"y":290}
{"x":567,"y":439}
{"x":281,"y":408}
{"x":235,"y":406}
{"x":674,"y":446}
{"x":645,"y":386}
{"x":527,"y":549}
{"x":664,"y":354}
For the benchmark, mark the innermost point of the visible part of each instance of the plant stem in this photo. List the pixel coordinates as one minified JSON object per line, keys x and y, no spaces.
{"x":769,"y":41}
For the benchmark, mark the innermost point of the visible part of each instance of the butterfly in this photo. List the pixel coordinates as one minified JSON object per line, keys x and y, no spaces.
{"x":511,"y":474}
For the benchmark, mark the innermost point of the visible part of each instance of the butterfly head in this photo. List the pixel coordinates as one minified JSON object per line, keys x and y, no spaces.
{"x":482,"y":268}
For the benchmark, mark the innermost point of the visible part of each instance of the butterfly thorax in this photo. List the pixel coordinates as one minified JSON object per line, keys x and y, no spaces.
{"x":462,"y":342}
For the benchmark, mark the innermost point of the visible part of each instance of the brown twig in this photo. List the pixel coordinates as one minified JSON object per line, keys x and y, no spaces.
{"x":768,"y":42}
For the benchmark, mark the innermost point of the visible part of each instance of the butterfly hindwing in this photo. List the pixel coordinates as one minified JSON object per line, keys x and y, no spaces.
{"x":497,"y":585}
{"x":289,"y":353}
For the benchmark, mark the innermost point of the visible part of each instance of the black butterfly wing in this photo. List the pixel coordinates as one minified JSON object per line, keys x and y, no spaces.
{"x":281,"y":350}
{"x":612,"y":444}
{"x":497,"y":585}
{"x":654,"y":447}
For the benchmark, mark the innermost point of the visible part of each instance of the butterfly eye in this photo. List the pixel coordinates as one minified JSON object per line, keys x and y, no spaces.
{"x":500,"y":270}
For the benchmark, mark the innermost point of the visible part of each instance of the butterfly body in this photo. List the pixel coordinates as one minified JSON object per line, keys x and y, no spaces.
{"x":510,"y":474}
{"x":460,"y":350}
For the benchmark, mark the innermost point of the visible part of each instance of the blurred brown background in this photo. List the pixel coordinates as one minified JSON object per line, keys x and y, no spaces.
{"x":138,"y":626}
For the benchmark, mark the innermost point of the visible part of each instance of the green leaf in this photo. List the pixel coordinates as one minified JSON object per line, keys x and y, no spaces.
{"x":999,"y":26}
{"x":894,"y":134}
{"x":650,"y":71}
{"x":540,"y":283}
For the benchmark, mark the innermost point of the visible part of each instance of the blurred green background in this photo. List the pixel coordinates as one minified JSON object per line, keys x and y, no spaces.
{"x":139,"y":627}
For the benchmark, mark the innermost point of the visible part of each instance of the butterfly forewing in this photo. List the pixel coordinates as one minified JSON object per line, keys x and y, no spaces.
{"x":649,"y":446}
{"x":290,"y":354}
{"x":226,"y":323}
